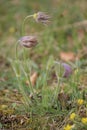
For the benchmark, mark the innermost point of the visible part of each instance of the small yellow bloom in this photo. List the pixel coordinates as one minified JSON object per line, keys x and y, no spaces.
{"x":68,"y":127}
{"x":84,"y":120}
{"x":72,"y":116}
{"x":11,"y":29}
{"x":80,"y":101}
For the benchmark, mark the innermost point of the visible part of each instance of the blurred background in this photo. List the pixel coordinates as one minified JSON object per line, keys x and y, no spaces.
{"x":65,"y":38}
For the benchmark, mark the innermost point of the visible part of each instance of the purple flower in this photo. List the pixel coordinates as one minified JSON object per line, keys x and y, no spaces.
{"x":28,"y":41}
{"x":42,"y":17}
{"x":67,"y":70}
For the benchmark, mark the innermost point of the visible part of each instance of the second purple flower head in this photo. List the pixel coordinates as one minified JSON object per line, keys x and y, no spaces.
{"x":28,"y":41}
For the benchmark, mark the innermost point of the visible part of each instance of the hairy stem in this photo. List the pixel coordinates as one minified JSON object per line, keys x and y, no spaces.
{"x":24,"y":23}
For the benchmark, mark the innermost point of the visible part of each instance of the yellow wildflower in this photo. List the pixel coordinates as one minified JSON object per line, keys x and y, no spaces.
{"x":72,"y":116}
{"x":68,"y":127}
{"x":84,"y":120}
{"x":11,"y":29}
{"x":80,"y":101}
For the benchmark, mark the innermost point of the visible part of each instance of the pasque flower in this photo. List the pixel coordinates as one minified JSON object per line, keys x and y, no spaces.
{"x":67,"y":70}
{"x":28,"y":41}
{"x":41,"y":17}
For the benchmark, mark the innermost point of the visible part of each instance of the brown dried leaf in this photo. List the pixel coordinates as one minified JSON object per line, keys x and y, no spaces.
{"x":33,"y":78}
{"x":80,"y":34}
{"x":64,"y":13}
{"x":67,"y":56}
{"x":22,"y":121}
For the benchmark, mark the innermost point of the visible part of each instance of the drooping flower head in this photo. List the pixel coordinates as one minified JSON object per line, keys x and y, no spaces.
{"x":42,"y":17}
{"x":28,"y":41}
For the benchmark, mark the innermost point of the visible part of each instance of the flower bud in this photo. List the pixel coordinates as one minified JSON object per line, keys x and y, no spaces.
{"x":67,"y":70}
{"x":28,"y":41}
{"x":42,"y":17}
